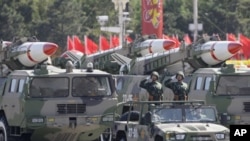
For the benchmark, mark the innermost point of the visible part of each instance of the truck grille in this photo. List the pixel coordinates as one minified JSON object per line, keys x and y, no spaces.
{"x":71,"y":108}
{"x":201,"y":138}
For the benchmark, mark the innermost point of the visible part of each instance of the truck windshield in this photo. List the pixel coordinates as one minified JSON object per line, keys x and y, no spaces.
{"x":200,"y":114}
{"x":91,"y":86}
{"x":164,"y":115}
{"x":233,"y":85}
{"x":49,"y":87}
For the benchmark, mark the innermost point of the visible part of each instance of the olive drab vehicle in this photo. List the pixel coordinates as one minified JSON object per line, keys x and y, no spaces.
{"x":228,"y":88}
{"x":52,"y":104}
{"x":169,"y":121}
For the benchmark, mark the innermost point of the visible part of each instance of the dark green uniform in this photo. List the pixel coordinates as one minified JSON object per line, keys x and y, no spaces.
{"x":180,"y":89}
{"x":154,"y":89}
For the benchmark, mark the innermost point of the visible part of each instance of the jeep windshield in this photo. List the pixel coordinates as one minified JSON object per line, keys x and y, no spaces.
{"x":233,"y":85}
{"x":168,"y":115}
{"x":164,"y":115}
{"x":49,"y":87}
{"x":204,"y":114}
{"x":91,"y":86}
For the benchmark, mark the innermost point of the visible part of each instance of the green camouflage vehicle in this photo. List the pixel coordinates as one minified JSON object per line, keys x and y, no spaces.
{"x":169,"y":121}
{"x":52,"y":104}
{"x":228,"y":88}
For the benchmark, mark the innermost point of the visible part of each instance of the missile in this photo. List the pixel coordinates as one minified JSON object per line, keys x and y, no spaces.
{"x":219,"y":51}
{"x":31,"y":53}
{"x":154,"y":46}
{"x":211,"y":53}
{"x":5,"y":43}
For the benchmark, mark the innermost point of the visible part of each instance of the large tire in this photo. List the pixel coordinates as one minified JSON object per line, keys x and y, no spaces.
{"x":3,"y":132}
{"x":158,"y":138}
{"x":106,"y":135}
{"x":121,"y":137}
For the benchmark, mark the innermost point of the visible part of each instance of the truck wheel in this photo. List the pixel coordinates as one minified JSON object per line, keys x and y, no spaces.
{"x":106,"y":135}
{"x":158,"y":138}
{"x":121,"y":137}
{"x":3,"y":132}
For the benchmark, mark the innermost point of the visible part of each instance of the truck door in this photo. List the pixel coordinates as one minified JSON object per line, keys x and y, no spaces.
{"x":12,"y":98}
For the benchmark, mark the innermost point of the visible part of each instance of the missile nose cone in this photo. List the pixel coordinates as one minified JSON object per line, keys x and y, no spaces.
{"x":168,"y":44}
{"x":50,"y":48}
{"x":234,"y":47}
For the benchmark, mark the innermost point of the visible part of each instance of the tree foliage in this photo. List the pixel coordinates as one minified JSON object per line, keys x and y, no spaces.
{"x":54,"y":20}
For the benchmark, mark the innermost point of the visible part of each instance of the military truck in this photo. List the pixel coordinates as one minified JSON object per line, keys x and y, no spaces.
{"x":227,"y":87}
{"x":169,"y":121}
{"x":52,"y":104}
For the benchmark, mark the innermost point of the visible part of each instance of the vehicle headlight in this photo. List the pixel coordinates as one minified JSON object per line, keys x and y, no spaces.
{"x":170,"y":136}
{"x":220,"y":136}
{"x":180,"y":136}
{"x":37,"y":120}
{"x":174,"y":136}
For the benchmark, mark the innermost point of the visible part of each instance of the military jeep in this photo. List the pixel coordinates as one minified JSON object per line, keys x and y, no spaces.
{"x":169,"y":121}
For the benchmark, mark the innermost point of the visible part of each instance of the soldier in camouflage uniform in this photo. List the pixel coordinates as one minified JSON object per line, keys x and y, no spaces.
{"x":179,"y":88}
{"x":153,"y":87}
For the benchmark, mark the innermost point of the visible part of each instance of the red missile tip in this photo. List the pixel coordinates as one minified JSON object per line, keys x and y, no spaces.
{"x":234,"y":47}
{"x":168,"y":44}
{"x":50,"y":48}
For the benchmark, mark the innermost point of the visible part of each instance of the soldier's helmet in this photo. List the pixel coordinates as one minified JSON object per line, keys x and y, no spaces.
{"x":155,"y":74}
{"x":180,"y":73}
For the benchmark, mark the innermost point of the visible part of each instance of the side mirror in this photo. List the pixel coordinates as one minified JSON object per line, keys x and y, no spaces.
{"x":224,"y":118}
{"x":148,"y":118}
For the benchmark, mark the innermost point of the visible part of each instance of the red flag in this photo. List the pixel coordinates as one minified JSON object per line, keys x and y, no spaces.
{"x":90,"y":45}
{"x":152,"y":17}
{"x":70,"y":44}
{"x":231,"y":37}
{"x":110,"y":41}
{"x":166,"y":36}
{"x":103,"y":43}
{"x":187,"y":40}
{"x":78,"y":44}
{"x":128,"y":39}
{"x":246,"y":45}
{"x":177,"y":42}
{"x":115,"y":41}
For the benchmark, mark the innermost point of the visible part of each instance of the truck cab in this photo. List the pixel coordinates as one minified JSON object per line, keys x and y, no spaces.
{"x":49,"y":103}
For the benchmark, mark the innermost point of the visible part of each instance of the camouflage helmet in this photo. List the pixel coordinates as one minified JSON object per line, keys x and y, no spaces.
{"x":180,"y":73}
{"x":155,"y":74}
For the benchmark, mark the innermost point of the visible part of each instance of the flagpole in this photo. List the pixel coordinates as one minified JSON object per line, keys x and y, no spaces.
{"x":100,"y":44}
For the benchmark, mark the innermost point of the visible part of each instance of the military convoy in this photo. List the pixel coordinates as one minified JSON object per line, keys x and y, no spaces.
{"x":169,"y":121}
{"x":53,"y":104}
{"x":50,"y":103}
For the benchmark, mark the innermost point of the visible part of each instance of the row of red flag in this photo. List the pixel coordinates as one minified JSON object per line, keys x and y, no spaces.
{"x":175,"y":38}
{"x":245,"y":41}
{"x":90,"y":47}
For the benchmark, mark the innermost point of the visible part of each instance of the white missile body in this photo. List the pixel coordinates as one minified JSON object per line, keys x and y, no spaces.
{"x":219,"y":51}
{"x":5,"y":44}
{"x":32,"y":53}
{"x":155,"y":46}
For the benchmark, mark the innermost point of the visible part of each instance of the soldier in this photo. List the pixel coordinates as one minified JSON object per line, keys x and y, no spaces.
{"x":153,"y":87}
{"x":179,"y":88}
